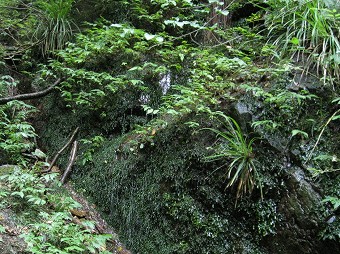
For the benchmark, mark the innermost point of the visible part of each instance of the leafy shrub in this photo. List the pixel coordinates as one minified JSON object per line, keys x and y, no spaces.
{"x":50,"y":230}
{"x":332,"y":228}
{"x":15,"y":132}
{"x":57,"y":235}
{"x":93,"y":144}
{"x":26,"y":189}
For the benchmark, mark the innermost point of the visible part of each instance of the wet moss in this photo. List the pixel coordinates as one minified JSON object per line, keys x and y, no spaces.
{"x":164,"y":198}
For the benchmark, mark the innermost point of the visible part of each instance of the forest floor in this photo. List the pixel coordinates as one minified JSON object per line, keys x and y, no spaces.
{"x":90,"y":213}
{"x":11,"y":241}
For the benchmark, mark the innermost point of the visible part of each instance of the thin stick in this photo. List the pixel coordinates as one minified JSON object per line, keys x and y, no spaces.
{"x":71,"y":162}
{"x":319,"y":137}
{"x":28,"y":96}
{"x":61,"y":150}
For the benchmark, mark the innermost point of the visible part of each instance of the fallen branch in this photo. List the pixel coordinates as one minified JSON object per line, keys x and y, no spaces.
{"x":71,"y":162}
{"x":61,"y":150}
{"x":28,"y":96}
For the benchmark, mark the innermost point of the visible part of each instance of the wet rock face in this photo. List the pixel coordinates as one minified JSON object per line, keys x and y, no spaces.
{"x":300,"y":204}
{"x":301,"y":207}
{"x":302,"y":199}
{"x":243,"y":112}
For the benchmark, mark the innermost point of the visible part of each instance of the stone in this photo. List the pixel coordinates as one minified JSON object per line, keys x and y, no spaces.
{"x":78,"y":213}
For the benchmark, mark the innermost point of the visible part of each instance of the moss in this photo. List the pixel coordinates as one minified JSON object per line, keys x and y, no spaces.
{"x":165,"y":199}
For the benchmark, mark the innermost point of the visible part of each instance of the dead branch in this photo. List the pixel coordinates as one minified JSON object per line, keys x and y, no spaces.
{"x":61,"y":150}
{"x":28,"y":96}
{"x":71,"y":162}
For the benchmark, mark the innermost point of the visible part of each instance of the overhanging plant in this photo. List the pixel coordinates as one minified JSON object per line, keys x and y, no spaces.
{"x":54,"y":27}
{"x":309,"y":31}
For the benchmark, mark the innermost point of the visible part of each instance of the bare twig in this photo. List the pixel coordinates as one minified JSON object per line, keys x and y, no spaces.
{"x":320,"y":135}
{"x":71,"y":162}
{"x":61,"y":150}
{"x":28,"y":96}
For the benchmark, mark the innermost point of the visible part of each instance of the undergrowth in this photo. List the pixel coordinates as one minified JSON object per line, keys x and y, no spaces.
{"x":44,"y":211}
{"x":142,"y":87}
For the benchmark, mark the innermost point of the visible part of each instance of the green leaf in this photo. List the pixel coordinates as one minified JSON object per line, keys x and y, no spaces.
{"x":181,"y":57}
{"x":302,"y":133}
{"x":333,"y":200}
{"x":40,"y":154}
{"x":336,"y":117}
{"x":136,"y":82}
{"x":18,"y":193}
{"x":239,"y":61}
{"x":336,"y":100}
{"x":192,"y":124}
{"x":324,"y":157}
{"x":295,"y":41}
{"x":159,"y":39}
{"x":136,"y":68}
{"x":223,"y":12}
{"x":75,"y":248}
{"x":172,"y":112}
{"x":116,"y":25}
{"x":149,"y":36}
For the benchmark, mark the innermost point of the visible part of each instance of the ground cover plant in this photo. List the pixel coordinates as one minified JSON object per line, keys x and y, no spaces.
{"x":48,"y":229}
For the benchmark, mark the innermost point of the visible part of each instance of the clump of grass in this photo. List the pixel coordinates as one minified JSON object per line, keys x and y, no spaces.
{"x":54,"y":27}
{"x":310,"y":31}
{"x":237,"y":150}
